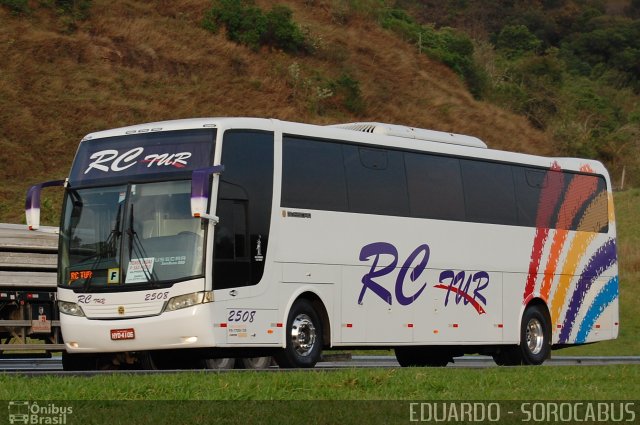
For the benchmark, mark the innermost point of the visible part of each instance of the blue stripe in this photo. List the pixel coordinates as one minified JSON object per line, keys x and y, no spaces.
{"x":605,"y":297}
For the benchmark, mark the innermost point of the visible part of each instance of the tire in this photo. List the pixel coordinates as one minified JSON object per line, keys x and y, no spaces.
{"x":146,"y":361}
{"x":303,"y":336}
{"x":79,"y":362}
{"x":535,"y":341}
{"x":535,"y":336}
{"x":508,"y":356}
{"x":255,"y":362}
{"x":423,"y":356}
{"x":219,"y":364}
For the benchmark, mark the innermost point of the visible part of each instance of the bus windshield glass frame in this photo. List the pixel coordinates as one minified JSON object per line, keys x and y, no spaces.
{"x":126,"y":221}
{"x":130,"y":236}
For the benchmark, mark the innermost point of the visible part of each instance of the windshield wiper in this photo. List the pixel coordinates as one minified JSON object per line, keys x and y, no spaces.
{"x":136,"y":247}
{"x":107,"y":249}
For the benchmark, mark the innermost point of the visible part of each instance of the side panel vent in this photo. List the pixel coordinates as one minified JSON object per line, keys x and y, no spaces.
{"x":413,"y":133}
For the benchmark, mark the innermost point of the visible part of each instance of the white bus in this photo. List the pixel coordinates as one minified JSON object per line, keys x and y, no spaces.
{"x":244,"y":237}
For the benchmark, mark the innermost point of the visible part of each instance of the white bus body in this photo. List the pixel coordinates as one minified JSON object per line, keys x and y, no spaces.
{"x":423,"y":241}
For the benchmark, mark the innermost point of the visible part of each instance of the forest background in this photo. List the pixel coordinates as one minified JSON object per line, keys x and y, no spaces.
{"x":552,"y":77}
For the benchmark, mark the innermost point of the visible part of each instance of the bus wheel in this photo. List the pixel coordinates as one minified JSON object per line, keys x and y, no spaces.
{"x":423,"y":356}
{"x":535,"y":341}
{"x":535,"y":336}
{"x":79,"y":362}
{"x":224,"y":363}
{"x":304,"y":337}
{"x":255,"y":362}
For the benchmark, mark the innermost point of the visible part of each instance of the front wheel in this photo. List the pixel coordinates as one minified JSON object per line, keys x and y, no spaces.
{"x":304,"y":337}
{"x":79,"y":362}
{"x":219,"y":364}
{"x":255,"y":362}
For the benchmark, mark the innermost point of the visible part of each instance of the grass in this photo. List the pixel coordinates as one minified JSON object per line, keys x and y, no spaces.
{"x":549,"y":383}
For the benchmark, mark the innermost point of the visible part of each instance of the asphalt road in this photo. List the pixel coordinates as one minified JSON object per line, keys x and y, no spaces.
{"x":53,"y":365}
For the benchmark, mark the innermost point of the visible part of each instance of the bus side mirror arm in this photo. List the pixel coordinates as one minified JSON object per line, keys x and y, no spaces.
{"x":200,"y":192}
{"x":32,"y":205}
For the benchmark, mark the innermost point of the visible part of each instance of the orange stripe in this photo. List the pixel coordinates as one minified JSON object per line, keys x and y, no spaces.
{"x":580,"y":189}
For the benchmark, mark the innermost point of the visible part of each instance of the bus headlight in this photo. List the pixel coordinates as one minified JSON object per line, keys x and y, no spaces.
{"x":188,"y":300}
{"x":72,"y":309}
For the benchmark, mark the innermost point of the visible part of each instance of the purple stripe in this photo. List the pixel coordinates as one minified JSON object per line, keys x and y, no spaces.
{"x":607,"y":295}
{"x":604,"y":258}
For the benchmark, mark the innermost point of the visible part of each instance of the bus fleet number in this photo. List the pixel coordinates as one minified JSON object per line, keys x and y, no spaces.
{"x":241,"y":316}
{"x":155,"y":296}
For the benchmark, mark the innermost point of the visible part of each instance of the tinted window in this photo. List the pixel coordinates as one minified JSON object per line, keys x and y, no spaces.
{"x":313,"y":175}
{"x":596,"y":216}
{"x":336,"y":176}
{"x":530,"y":184}
{"x":587,"y":198}
{"x":244,"y":208}
{"x":489,"y":192}
{"x":376,"y":182}
{"x":435,"y":187}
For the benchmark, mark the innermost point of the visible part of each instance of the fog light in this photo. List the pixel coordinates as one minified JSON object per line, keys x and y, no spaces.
{"x":73,"y":344}
{"x":189,"y":339}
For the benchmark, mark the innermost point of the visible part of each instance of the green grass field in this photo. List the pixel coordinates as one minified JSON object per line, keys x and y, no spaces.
{"x":505,"y":383}
{"x":350,"y":395}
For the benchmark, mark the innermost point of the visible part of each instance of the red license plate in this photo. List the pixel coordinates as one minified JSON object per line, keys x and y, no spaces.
{"x":117,"y":334}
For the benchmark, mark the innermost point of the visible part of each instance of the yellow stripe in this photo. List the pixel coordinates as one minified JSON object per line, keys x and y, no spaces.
{"x":577,"y":249}
{"x":593,"y":219}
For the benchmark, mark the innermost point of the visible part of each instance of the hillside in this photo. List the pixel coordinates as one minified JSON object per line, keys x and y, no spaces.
{"x":131,"y":61}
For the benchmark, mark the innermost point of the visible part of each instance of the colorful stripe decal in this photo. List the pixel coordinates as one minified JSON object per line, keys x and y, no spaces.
{"x":604,"y":258}
{"x":546,"y":207}
{"x":604,"y":298}
{"x":577,"y":250}
{"x":595,"y":216}
{"x":580,"y":190}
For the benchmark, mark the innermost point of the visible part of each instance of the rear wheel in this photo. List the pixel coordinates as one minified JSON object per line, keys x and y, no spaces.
{"x":423,"y":356}
{"x":535,"y":341}
{"x":304,"y":337}
{"x":535,"y":338}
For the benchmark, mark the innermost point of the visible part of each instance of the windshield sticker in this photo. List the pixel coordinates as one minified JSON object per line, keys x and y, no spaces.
{"x":171,"y":261}
{"x":113,"y":276}
{"x":139,"y":270}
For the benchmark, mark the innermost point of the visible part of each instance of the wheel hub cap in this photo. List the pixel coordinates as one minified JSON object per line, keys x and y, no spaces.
{"x":535,"y":336}
{"x":303,"y":334}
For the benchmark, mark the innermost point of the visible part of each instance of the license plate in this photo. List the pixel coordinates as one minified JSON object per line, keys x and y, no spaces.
{"x":117,"y":334}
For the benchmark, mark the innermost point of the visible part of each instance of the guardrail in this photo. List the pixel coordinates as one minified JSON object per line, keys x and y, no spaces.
{"x":28,"y":310}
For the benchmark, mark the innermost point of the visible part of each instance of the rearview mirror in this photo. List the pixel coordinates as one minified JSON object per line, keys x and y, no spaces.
{"x":200,"y":191}
{"x":32,"y":205}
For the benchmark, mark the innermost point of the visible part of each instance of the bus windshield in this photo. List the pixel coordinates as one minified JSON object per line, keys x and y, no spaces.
{"x":130,"y":235}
